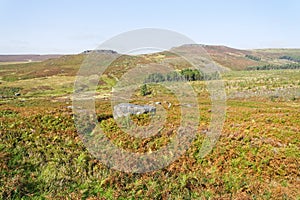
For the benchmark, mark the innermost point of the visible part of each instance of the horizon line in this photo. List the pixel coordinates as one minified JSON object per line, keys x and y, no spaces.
{"x":76,"y":53}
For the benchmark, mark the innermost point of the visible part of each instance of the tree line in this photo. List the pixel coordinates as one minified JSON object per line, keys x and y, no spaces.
{"x":291,"y":58}
{"x":274,"y":67}
{"x":182,"y":75}
{"x":253,"y":57}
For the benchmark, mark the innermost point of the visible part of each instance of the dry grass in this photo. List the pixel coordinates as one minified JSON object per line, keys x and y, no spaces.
{"x":256,"y":157}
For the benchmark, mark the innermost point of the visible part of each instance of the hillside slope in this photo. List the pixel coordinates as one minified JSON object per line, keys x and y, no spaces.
{"x":27,"y":58}
{"x":230,"y":58}
{"x":237,"y":59}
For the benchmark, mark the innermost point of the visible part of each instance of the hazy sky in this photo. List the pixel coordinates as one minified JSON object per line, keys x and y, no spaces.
{"x":70,"y":26}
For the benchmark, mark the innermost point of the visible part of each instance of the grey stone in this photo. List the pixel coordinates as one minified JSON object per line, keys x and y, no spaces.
{"x":126,"y":109}
{"x":101,"y":51}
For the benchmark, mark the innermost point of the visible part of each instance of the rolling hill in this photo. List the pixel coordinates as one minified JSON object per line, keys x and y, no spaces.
{"x":43,"y":156}
{"x":26,"y":58}
{"x":226,"y":57}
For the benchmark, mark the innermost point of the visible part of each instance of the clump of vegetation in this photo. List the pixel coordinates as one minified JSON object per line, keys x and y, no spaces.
{"x":10,"y":78}
{"x":145,"y":90}
{"x":274,"y":67}
{"x":8,"y":113}
{"x":182,"y":75}
{"x":155,"y":78}
{"x":291,"y":58}
{"x":9,"y":91}
{"x":253,"y":57}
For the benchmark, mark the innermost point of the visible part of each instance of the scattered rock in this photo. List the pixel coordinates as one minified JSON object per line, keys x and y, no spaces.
{"x":169,"y":104}
{"x":126,"y":109}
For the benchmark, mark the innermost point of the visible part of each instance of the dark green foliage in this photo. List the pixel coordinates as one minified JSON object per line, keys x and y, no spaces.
{"x":144,"y":90}
{"x":291,"y":58}
{"x":191,"y":74}
{"x":274,"y":67}
{"x":183,"y":75}
{"x":156,"y":77}
{"x":253,"y":57}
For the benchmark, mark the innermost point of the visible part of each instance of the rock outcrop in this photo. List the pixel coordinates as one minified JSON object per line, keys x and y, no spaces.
{"x":101,"y":51}
{"x":126,"y":109}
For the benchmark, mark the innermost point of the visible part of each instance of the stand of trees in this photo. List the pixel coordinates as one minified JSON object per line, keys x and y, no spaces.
{"x":291,"y":58}
{"x":253,"y":57}
{"x":275,"y":67}
{"x":183,"y":75}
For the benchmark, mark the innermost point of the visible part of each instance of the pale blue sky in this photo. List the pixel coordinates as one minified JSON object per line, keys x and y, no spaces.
{"x":70,"y":26}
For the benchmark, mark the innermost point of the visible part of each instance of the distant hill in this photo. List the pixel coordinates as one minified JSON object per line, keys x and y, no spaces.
{"x":226,"y":58}
{"x":27,"y":58}
{"x":229,"y":57}
{"x":236,"y":59}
